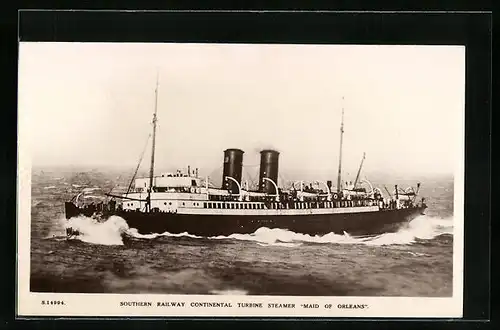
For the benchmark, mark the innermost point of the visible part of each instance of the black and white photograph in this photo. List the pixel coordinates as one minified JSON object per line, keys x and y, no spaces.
{"x":243,"y":179}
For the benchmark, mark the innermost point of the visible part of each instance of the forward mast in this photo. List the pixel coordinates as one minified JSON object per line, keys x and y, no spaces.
{"x":152,"y":167}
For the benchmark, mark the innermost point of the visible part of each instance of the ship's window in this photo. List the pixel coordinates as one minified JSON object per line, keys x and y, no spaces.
{"x":170,"y":203}
{"x":246,"y":206}
{"x":209,"y":205}
{"x":218,"y":205}
{"x":165,"y":203}
{"x":254,"y":206}
{"x":205,"y":205}
{"x":232,"y":205}
{"x":183,"y":204}
{"x":193,"y":183}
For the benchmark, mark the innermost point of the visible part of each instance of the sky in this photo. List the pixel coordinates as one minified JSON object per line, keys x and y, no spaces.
{"x":91,"y":104}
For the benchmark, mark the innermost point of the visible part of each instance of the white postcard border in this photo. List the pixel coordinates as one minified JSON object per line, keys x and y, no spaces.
{"x":107,"y":305}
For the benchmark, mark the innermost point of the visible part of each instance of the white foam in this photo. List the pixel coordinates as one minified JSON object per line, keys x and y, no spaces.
{"x":110,"y":232}
{"x":91,"y":189}
{"x":422,"y":227}
{"x":134,"y":233}
{"x":229,"y":292}
{"x":92,"y":231}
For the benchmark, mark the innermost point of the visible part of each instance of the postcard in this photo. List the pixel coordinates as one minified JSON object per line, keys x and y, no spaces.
{"x":269,"y":180}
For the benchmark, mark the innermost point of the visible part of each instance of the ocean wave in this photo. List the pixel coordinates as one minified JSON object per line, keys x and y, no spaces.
{"x":94,"y":197}
{"x":110,"y":232}
{"x":92,"y":231}
{"x":231,"y":292}
{"x":90,"y":189}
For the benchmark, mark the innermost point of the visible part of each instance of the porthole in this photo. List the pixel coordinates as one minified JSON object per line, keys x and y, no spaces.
{"x":165,"y":203}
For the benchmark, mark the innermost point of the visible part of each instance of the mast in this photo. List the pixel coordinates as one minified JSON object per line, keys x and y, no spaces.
{"x":151,"y":169}
{"x":359,"y":170}
{"x":339,"y":177}
{"x":137,"y":168}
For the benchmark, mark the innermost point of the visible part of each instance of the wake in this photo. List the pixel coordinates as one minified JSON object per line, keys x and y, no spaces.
{"x":110,"y":233}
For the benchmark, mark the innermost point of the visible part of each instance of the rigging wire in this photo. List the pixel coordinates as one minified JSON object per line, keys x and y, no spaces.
{"x":138,"y":165}
{"x":252,"y":178}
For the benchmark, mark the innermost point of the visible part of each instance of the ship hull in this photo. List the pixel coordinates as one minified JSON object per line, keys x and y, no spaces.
{"x":356,"y":224}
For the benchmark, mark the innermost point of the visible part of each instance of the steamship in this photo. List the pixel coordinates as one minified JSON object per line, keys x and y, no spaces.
{"x":183,"y":202}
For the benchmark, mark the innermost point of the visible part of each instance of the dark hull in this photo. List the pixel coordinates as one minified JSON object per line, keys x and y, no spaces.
{"x":363,"y":223}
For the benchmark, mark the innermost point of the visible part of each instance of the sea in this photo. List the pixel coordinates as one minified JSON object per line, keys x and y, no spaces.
{"x":416,"y":261}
